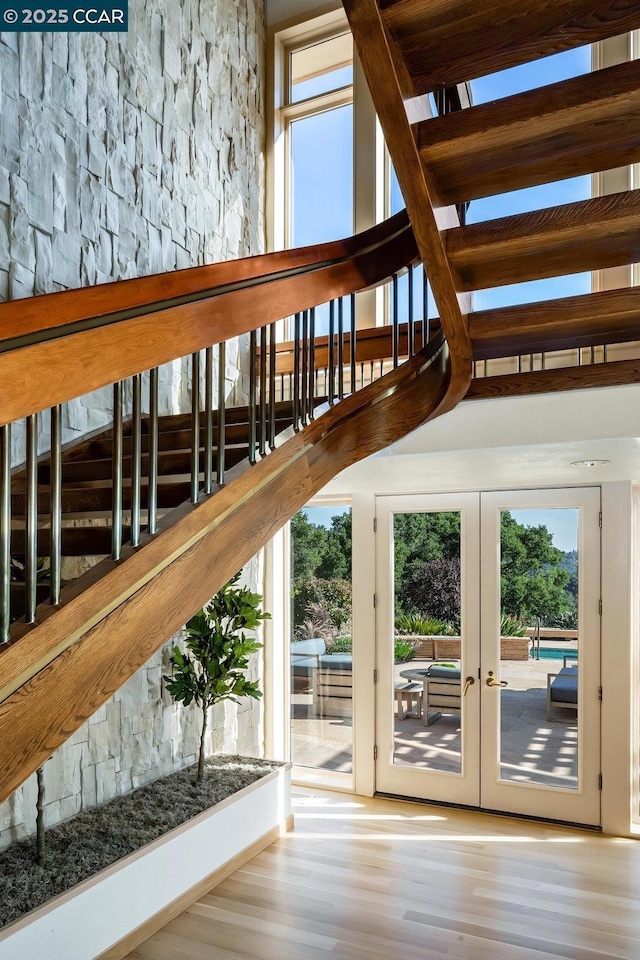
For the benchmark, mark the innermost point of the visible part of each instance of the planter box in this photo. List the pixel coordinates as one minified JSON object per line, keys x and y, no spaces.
{"x":109,"y":915}
{"x":448,"y":648}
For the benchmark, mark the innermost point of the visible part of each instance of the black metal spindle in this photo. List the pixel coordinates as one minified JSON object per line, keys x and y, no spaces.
{"x":352,"y":344}
{"x":426,"y":332}
{"x":263,"y":391}
{"x":331,"y":394}
{"x":195,"y":427}
{"x":31,"y":532}
{"x":304,"y":388}
{"x":253,"y":426}
{"x":394,"y":319}
{"x":152,"y":512}
{"x":5,"y":531}
{"x":272,"y":386}
{"x":340,"y":348}
{"x":222,"y":417}
{"x":55,"y":506}
{"x":312,"y":361}
{"x":208,"y":420}
{"x":116,"y":508}
{"x":411,"y":345}
{"x":296,"y":372}
{"x":136,"y":460}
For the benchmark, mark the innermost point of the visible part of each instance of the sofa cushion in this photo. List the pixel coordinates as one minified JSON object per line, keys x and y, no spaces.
{"x":564,"y":688}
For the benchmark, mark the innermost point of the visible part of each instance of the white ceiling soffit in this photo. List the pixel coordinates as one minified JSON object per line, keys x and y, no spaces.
{"x":527,"y":441}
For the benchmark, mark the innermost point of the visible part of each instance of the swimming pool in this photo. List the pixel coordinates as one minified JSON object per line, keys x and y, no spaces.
{"x":554,"y":653}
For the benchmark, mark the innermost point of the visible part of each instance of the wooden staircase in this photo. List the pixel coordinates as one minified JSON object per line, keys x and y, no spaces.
{"x":412,"y":48}
{"x":57,"y":670}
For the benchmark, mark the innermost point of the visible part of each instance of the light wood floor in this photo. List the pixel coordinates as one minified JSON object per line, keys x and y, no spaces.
{"x":361,"y":879}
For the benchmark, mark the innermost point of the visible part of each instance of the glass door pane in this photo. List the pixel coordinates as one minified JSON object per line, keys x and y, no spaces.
{"x":540,"y":705}
{"x":426,"y":653}
{"x":427,"y":647}
{"x":320,"y":653}
{"x":539,"y":641}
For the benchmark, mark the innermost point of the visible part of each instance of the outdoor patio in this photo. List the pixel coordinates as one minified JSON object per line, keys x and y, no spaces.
{"x":533,"y":749}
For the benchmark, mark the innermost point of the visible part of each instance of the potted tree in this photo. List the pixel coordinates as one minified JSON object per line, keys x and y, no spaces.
{"x":211,"y":669}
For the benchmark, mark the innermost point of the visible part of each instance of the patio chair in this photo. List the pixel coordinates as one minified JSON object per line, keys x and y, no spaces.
{"x":562,"y":690}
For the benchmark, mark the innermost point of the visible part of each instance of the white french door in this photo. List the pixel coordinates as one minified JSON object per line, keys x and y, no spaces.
{"x":492,"y":726}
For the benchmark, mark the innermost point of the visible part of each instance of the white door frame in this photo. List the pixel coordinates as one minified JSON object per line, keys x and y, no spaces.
{"x":473,"y":787}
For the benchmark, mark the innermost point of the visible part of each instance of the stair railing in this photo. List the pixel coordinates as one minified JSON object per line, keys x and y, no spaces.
{"x":132,"y":457}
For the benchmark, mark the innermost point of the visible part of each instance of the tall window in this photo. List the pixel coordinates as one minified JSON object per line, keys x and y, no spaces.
{"x":317,"y":115}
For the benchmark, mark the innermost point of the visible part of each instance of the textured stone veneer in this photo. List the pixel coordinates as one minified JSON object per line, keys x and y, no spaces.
{"x":123,"y":155}
{"x":139,"y":735}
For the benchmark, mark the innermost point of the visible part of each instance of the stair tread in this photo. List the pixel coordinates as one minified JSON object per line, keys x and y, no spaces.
{"x":587,"y":235}
{"x":566,"y":129}
{"x":445,"y":42}
{"x":609,"y":316}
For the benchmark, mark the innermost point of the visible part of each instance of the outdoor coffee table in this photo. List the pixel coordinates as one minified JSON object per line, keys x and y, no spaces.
{"x":441,"y":690}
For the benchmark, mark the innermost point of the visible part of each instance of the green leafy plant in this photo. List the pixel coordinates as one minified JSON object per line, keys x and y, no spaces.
{"x":423,"y":626}
{"x":211,"y":669}
{"x":512,"y":626}
{"x":403,"y":650}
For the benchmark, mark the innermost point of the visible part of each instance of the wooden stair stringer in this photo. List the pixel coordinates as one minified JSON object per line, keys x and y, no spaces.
{"x":63,"y":669}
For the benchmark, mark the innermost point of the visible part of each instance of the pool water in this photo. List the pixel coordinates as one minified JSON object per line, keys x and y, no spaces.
{"x":554,"y":653}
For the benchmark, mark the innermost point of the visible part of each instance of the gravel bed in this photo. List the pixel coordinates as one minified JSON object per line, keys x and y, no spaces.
{"x":98,"y":837}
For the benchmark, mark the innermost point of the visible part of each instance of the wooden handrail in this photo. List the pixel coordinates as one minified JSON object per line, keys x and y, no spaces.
{"x":60,"y":346}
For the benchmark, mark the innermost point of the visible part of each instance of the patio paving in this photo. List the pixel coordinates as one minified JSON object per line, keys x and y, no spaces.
{"x":534,"y":750}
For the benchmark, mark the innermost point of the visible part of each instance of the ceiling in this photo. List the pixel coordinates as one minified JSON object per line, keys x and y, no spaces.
{"x":526,"y":441}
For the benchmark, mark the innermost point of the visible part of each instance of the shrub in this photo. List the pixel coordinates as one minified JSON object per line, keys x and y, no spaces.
{"x":512,"y":626}
{"x":434,"y":590}
{"x":424,"y":626}
{"x":403,"y":650}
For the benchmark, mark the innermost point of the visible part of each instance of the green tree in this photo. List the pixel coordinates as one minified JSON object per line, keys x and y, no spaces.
{"x":217,"y":653}
{"x":308,"y":542}
{"x":533,"y":583}
{"x":335,"y":559}
{"x":419,"y":539}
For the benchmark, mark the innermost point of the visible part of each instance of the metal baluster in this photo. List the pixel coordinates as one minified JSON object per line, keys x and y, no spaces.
{"x":353,"y":343}
{"x":253,"y":357}
{"x":222,"y":425}
{"x":312,"y":360}
{"x":116,"y":509}
{"x":195,"y":427}
{"x":31,"y":532}
{"x":55,"y":506}
{"x":425,"y":310}
{"x":340,"y":348}
{"x":332,"y":357}
{"x":208,"y":420}
{"x":272,"y":386}
{"x":411,"y":344}
{"x":263,"y":391}
{"x":296,"y":372}
{"x":136,"y":460}
{"x":304,"y":388}
{"x":5,"y":531}
{"x":395,"y":329}
{"x":152,"y":511}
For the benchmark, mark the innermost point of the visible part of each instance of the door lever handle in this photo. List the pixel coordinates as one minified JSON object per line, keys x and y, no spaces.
{"x":467,"y":683}
{"x":492,"y":682}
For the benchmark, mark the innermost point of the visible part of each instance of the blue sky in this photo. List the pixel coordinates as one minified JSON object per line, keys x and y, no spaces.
{"x":562,"y":523}
{"x":322,"y":158}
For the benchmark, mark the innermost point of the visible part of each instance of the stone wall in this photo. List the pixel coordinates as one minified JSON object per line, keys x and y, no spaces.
{"x":129,"y":154}
{"x":139,"y":735}
{"x":123,"y":155}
